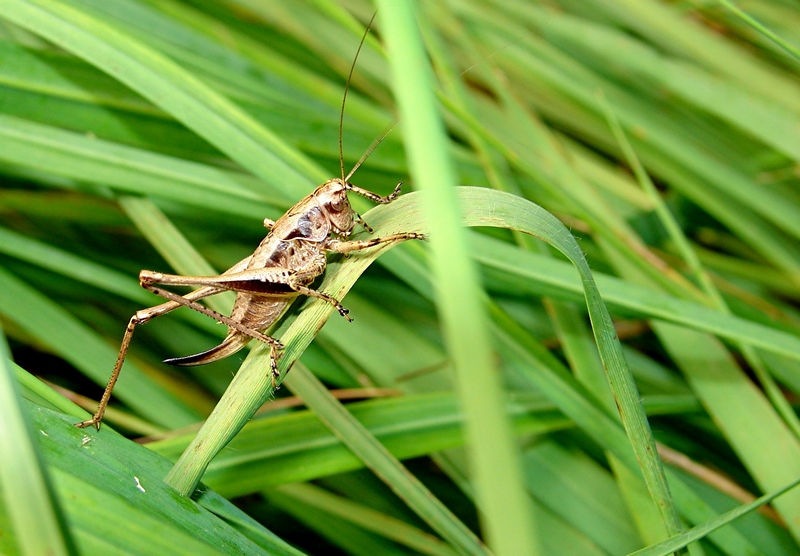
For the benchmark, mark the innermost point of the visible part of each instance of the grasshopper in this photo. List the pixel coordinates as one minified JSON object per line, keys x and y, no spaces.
{"x":282,"y":267}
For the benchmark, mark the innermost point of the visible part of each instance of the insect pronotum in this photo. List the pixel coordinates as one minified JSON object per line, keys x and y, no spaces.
{"x":283,"y":266}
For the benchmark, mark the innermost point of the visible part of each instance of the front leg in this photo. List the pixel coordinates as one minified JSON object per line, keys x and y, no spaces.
{"x":338,"y":246}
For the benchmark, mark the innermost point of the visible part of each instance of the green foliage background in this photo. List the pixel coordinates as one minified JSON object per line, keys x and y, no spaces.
{"x":159,"y":134}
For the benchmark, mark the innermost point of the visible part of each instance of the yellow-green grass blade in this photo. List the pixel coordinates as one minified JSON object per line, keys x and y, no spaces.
{"x":252,"y":386}
{"x":494,"y":459}
{"x":29,"y":504}
{"x":601,"y":384}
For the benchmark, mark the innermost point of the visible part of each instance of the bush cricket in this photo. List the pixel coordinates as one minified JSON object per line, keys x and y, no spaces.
{"x":283,"y":266}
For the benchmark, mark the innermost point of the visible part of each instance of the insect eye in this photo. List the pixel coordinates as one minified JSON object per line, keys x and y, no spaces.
{"x":338,"y":204}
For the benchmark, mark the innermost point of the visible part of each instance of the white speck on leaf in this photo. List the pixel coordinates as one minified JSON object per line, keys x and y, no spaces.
{"x":85,"y":440}
{"x":138,"y":484}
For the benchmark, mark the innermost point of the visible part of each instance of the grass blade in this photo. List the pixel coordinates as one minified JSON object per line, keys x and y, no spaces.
{"x":29,"y":502}
{"x":494,"y":458}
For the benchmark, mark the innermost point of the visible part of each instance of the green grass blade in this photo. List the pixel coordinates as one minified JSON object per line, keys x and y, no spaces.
{"x":696,"y":533}
{"x":115,"y":500}
{"x":369,"y":519}
{"x":377,"y":457}
{"x":494,"y":459}
{"x":758,"y":26}
{"x":28,"y":499}
{"x":170,"y":87}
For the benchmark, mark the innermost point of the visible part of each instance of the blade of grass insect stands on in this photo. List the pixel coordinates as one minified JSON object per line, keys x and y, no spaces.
{"x":169,"y":86}
{"x":29,"y":505}
{"x":482,"y":207}
{"x":495,"y":461}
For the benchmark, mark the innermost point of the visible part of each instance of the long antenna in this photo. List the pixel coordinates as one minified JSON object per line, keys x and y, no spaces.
{"x":371,"y":148}
{"x":344,"y":100}
{"x":380,"y":139}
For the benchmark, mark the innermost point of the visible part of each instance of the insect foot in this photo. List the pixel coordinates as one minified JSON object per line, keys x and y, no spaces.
{"x":94,"y":422}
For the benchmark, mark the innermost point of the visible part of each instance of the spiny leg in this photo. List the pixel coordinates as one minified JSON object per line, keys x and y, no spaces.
{"x":145,"y":315}
{"x":123,"y":351}
{"x":338,"y":246}
{"x":324,"y":296}
{"x":141,"y":317}
{"x":374,"y":197}
{"x":274,"y":344}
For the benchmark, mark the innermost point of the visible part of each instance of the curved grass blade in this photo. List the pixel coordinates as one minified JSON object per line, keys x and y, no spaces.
{"x":482,"y":207}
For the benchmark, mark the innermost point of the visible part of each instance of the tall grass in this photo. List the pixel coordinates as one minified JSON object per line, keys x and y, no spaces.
{"x":483,"y":400}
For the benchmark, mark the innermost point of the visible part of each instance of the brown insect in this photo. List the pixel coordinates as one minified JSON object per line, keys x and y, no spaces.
{"x":283,"y":266}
